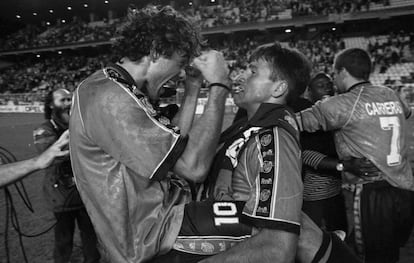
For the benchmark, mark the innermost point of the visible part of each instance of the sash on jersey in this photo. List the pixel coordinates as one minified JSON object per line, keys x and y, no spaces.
{"x":235,"y":137}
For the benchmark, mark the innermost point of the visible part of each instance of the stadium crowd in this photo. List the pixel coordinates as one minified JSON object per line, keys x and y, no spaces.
{"x":66,"y":70}
{"x":235,"y":12}
{"x":229,"y":12}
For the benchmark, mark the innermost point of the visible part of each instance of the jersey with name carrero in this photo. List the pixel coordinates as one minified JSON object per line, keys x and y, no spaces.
{"x":369,"y":121}
{"x":118,"y":145}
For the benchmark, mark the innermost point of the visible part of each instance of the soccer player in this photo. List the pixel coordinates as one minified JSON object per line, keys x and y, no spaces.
{"x":59,"y":187}
{"x":262,"y":166}
{"x":370,"y":121}
{"x":131,"y":163}
{"x":12,"y":172}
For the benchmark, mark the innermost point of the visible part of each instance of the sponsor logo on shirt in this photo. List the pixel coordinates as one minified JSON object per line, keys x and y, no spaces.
{"x":263,"y":210}
{"x":268,"y":153}
{"x":266,"y":181}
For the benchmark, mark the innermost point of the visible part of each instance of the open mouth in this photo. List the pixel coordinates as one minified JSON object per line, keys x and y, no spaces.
{"x":237,"y":89}
{"x":169,"y":87}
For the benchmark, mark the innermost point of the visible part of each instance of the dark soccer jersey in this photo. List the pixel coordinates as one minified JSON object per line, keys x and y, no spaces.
{"x":369,"y":121}
{"x":117,"y":144}
{"x":268,"y":178}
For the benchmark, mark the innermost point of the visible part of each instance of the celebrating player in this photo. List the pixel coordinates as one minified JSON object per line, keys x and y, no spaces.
{"x":123,"y":151}
{"x":370,"y":121}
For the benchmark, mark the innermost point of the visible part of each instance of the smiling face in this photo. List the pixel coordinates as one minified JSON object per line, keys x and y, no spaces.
{"x":256,"y":86}
{"x":320,"y":87}
{"x":161,"y":71}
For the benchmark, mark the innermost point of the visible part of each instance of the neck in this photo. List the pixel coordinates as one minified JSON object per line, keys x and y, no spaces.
{"x":352,"y":82}
{"x":251,"y":110}
{"x":137,"y":70}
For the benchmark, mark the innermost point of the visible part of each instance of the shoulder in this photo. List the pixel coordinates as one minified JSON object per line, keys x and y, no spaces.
{"x":45,"y":128}
{"x":45,"y":133}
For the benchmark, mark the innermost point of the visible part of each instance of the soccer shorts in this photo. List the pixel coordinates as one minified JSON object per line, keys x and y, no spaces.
{"x":387,"y":219}
{"x":208,"y":228}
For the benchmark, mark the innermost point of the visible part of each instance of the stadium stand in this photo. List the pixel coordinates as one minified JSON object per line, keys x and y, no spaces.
{"x":37,"y":74}
{"x":230,"y":12}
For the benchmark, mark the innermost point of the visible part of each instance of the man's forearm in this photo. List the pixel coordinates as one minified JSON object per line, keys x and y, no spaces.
{"x":203,"y":138}
{"x":267,"y":246}
{"x":188,"y":106}
{"x":12,"y":172}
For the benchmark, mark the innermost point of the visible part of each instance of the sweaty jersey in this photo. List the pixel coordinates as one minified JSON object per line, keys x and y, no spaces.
{"x":267,"y":174}
{"x":369,"y":121}
{"x":121,"y":152}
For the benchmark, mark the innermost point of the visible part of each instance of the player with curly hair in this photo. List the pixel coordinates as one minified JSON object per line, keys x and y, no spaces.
{"x":131,"y":163}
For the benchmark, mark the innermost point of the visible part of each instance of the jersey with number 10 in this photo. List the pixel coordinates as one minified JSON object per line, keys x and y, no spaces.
{"x":370,"y":122}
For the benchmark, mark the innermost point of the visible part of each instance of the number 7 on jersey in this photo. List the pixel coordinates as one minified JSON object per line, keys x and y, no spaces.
{"x":392,"y":123}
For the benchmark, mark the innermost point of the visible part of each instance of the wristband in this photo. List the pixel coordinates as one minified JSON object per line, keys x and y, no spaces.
{"x":340,"y":167}
{"x":219,"y":85}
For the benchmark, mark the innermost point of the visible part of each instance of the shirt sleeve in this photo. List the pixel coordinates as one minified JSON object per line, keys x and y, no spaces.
{"x":312,"y":158}
{"x":274,"y":165}
{"x":43,"y":138}
{"x":130,"y":131}
{"x":330,"y":114}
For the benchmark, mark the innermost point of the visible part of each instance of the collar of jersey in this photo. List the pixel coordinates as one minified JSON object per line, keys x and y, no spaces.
{"x":358,"y":84}
{"x":124,"y":74}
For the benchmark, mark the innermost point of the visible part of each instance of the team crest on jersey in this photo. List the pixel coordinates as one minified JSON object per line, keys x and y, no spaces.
{"x":207,"y":247}
{"x":291,"y":121}
{"x":267,"y":166}
{"x":265,"y":140}
{"x":264,"y":195}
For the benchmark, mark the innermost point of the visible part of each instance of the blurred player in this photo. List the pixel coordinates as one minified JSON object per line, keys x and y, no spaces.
{"x":322,"y":197}
{"x":11,"y":172}
{"x":59,"y":187}
{"x":370,"y":121}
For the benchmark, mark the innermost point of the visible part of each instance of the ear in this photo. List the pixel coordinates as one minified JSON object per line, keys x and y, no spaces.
{"x":280,"y":89}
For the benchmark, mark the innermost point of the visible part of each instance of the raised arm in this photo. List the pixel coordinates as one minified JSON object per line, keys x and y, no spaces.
{"x":196,"y":159}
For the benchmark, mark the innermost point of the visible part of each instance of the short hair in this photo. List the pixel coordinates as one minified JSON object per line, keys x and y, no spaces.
{"x":159,"y":30}
{"x":288,"y":64}
{"x":356,"y":61}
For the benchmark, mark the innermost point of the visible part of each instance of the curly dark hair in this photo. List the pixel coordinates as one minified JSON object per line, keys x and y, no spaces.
{"x":160,"y":30}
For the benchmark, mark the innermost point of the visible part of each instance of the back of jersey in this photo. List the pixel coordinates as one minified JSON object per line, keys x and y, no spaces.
{"x":376,"y":129}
